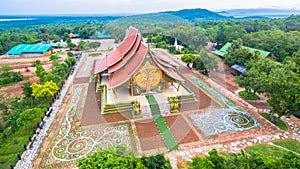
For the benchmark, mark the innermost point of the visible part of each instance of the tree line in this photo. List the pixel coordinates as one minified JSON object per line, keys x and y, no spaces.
{"x":14,"y":36}
{"x":214,"y":160}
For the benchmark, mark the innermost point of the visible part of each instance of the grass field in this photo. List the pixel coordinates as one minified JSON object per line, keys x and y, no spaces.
{"x":266,"y":150}
{"x":292,"y":145}
{"x":280,"y":124}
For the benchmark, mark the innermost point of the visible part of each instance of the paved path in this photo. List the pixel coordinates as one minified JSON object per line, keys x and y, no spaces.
{"x":68,"y":140}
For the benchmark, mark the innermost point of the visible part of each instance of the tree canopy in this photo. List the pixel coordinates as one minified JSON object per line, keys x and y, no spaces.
{"x":205,"y":61}
{"x":280,"y":83}
{"x":108,"y":159}
{"x":244,"y":160}
{"x":46,"y":90}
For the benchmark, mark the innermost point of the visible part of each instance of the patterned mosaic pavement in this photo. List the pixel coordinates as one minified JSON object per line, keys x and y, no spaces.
{"x":216,"y":121}
{"x":72,"y":142}
{"x":68,"y":141}
{"x":212,"y":122}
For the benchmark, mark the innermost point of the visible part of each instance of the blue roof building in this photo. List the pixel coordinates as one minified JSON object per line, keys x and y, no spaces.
{"x":29,"y":49}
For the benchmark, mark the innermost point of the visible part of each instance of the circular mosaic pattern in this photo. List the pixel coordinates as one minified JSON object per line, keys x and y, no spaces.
{"x":238,"y":119}
{"x":104,"y":144}
{"x":77,"y":145}
{"x":216,"y":121}
{"x":98,"y":133}
{"x":73,"y":142}
{"x":220,"y":126}
{"x":123,"y":128}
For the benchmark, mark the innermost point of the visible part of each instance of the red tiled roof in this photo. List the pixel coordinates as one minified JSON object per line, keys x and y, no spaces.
{"x":71,"y":35}
{"x":124,"y":60}
{"x":126,"y":45}
{"x":164,"y":56}
{"x":120,"y":77}
{"x":168,"y":69}
{"x":100,"y":65}
{"x":123,"y":51}
{"x":128,"y":56}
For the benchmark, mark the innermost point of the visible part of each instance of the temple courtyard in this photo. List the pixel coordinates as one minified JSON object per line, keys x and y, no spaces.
{"x":148,"y":101}
{"x":225,"y":123}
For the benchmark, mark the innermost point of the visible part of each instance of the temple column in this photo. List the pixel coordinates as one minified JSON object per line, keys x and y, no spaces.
{"x":97,"y":82}
{"x":98,"y":77}
{"x":178,"y":88}
{"x":165,"y":83}
{"x":131,"y":88}
{"x":115,"y":92}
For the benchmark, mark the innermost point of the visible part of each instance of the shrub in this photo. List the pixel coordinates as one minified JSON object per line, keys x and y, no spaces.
{"x":5,"y":81}
{"x":248,"y":95}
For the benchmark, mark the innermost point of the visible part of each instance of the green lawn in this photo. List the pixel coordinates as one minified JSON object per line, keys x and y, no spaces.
{"x":266,"y":150}
{"x":280,"y":124}
{"x":292,"y":145}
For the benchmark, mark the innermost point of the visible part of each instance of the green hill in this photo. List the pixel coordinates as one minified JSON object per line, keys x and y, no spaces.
{"x":190,"y":15}
{"x":197,"y":14}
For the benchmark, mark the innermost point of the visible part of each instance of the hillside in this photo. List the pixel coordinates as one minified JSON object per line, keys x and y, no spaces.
{"x":148,"y":18}
{"x":197,"y":14}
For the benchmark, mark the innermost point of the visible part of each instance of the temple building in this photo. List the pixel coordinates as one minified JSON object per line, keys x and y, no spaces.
{"x":72,"y":35}
{"x":132,"y":71}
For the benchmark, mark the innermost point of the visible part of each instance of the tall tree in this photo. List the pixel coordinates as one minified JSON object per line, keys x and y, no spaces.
{"x":280,"y":83}
{"x":46,"y":90}
{"x":206,"y":61}
{"x":27,"y":90}
{"x":40,"y":72}
{"x":29,"y":116}
{"x":282,"y":87}
{"x":236,"y":54}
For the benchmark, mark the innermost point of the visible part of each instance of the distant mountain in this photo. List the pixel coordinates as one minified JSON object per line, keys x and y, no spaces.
{"x":197,"y":15}
{"x":149,"y":18}
{"x":260,"y":12}
{"x":190,"y":15}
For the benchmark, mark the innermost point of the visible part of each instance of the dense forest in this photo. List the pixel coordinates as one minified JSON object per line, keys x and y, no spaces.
{"x":278,"y":36}
{"x":54,"y":33}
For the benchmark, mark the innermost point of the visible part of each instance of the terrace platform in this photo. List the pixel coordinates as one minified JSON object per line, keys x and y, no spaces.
{"x":124,"y":96}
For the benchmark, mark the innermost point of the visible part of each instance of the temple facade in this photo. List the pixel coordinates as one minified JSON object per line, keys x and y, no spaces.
{"x":132,"y":71}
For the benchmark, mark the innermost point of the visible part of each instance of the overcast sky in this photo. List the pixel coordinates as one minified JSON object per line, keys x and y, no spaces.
{"x":132,"y":6}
